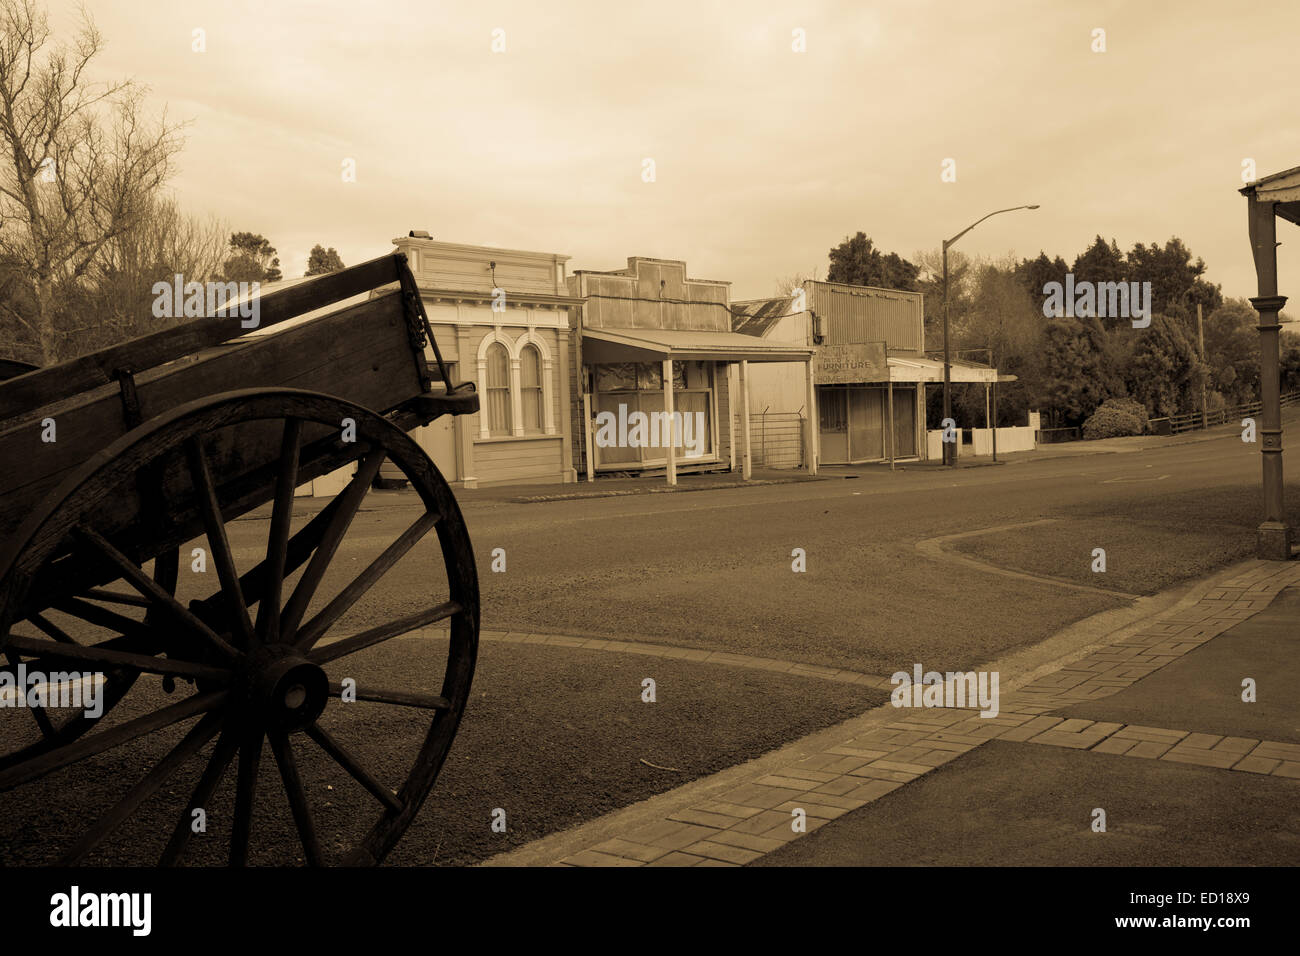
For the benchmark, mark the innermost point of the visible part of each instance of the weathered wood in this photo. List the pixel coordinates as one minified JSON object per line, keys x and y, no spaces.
{"x":383,"y":632}
{"x":222,"y":754}
{"x":250,"y":756}
{"x":162,"y":771}
{"x":243,"y":435}
{"x":107,"y":657}
{"x":311,"y":632}
{"x":360,"y":354}
{"x":154,"y":590}
{"x":345,"y":759}
{"x":41,"y":387}
{"x":399,"y":698}
{"x":108,"y":739}
{"x":277,"y":542}
{"x":215,"y":526}
{"x":283,"y":751}
{"x":330,"y":540}
{"x":70,"y":576}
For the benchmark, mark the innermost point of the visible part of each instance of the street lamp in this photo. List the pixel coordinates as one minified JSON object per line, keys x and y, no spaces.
{"x":948,"y":449}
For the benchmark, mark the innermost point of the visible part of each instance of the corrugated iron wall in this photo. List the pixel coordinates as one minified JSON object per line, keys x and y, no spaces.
{"x":851,"y":314}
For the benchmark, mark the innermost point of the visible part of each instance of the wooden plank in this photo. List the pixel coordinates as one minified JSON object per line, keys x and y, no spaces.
{"x":361,"y":354}
{"x":31,"y":391}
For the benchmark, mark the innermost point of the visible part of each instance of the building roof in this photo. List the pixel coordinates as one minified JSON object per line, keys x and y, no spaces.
{"x":756,"y":316}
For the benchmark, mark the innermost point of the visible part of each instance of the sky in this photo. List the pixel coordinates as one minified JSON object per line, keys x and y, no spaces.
{"x":764,"y":156}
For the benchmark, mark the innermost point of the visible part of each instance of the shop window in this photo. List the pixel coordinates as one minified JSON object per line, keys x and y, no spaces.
{"x":649,"y":375}
{"x":623,"y":389}
{"x":616,"y":377}
{"x":530,"y":385}
{"x":498,"y":390}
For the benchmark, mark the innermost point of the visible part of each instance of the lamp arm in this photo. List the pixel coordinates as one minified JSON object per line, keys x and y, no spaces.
{"x":949,"y":242}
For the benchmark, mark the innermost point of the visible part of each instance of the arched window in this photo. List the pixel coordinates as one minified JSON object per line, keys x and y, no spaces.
{"x":498,"y":390}
{"x":530,"y":384}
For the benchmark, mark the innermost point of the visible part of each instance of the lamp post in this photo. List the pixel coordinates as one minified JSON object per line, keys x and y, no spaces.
{"x":949,"y":451}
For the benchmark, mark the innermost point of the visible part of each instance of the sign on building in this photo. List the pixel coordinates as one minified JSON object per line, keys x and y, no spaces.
{"x":843,"y":364}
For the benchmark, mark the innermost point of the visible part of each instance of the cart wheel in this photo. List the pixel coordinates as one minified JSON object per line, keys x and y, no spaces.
{"x":266,"y":657}
{"x":100,"y":617}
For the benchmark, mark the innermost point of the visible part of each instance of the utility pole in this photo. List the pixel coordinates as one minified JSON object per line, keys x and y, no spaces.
{"x":1200,"y":331}
{"x":949,"y":448}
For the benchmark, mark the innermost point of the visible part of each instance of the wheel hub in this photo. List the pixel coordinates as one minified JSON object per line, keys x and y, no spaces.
{"x":282,"y":689}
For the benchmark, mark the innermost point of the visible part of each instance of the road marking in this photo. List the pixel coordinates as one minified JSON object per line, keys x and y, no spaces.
{"x":1111,"y":481}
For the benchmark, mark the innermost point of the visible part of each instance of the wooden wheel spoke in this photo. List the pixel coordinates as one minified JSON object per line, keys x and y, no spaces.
{"x":38,"y":712}
{"x":153,"y":591}
{"x":199,"y":735}
{"x":314,"y":629}
{"x":338,"y":526}
{"x":277,"y":544}
{"x":400,"y":698}
{"x":254,"y":582}
{"x":222,"y":754}
{"x":94,"y":744}
{"x":283,"y":751}
{"x":116,"y":597}
{"x":215,"y":527}
{"x":383,"y":632}
{"x":250,"y":758}
{"x":345,"y":759}
{"x":103,"y":617}
{"x":53,"y":630}
{"x":102,"y":654}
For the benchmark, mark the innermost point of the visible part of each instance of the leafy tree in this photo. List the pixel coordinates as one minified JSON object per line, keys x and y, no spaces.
{"x":1034,"y":274}
{"x":1079,"y":369}
{"x":1100,"y":262}
{"x":1290,"y":371}
{"x":252,"y":259}
{"x":1232,"y":351}
{"x":857,"y":261}
{"x":321,"y":261}
{"x":1166,"y":368}
{"x":1176,"y":283}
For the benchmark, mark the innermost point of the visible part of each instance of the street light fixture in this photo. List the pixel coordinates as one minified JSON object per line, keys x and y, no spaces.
{"x":949,"y":455}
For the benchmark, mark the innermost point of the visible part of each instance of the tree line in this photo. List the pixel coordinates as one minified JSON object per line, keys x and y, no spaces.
{"x":1067,"y":367}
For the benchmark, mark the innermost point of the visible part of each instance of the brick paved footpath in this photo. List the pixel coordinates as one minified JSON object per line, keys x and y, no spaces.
{"x":737,"y":826}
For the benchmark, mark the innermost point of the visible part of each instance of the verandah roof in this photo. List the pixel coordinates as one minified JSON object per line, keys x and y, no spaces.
{"x":644,"y":345}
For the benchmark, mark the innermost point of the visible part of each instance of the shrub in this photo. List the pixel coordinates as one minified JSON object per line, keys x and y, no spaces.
{"x":1129,"y":406}
{"x":1108,"y":421}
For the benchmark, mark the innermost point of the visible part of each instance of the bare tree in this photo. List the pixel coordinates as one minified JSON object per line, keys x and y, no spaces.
{"x":80,"y":164}
{"x":786,"y":285}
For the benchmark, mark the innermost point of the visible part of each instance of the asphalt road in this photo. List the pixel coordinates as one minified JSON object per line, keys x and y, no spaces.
{"x":712,"y":569}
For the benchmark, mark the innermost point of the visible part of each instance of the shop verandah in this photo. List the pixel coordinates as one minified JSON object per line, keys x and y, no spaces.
{"x":649,"y":378}
{"x":885,"y":420}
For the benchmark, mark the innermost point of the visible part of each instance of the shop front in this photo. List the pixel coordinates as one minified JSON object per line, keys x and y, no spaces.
{"x":653,"y":392}
{"x":501,"y":318}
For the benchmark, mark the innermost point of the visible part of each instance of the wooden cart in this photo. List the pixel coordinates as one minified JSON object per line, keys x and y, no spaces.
{"x":120,"y":475}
